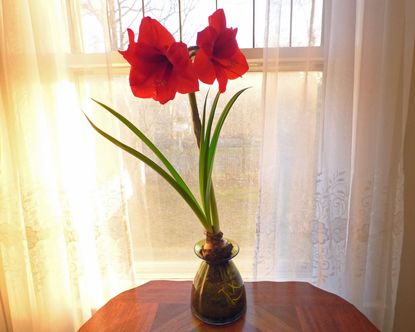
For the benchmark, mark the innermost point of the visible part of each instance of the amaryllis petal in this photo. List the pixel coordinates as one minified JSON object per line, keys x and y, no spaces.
{"x":235,"y":66}
{"x":226,"y":44}
{"x":218,"y":20}
{"x":219,"y":56}
{"x":187,"y":80}
{"x":204,"y":67}
{"x":148,"y":61}
{"x":165,"y":94}
{"x":160,"y":66}
{"x":222,"y":78}
{"x":140,"y":86}
{"x":130,"y":36}
{"x":129,"y":53}
{"x":153,"y":33}
{"x":178,"y":54}
{"x":206,"y":40}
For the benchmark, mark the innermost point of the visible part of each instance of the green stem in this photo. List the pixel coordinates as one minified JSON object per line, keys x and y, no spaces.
{"x":195,"y":117}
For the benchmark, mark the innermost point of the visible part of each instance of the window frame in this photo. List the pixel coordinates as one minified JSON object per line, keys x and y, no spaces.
{"x":290,"y":58}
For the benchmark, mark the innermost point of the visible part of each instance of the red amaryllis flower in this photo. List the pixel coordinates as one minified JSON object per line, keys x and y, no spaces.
{"x":160,"y":66}
{"x":219,"y":56}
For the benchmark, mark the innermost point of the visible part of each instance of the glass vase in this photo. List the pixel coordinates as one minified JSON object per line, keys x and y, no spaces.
{"x":218,"y":293}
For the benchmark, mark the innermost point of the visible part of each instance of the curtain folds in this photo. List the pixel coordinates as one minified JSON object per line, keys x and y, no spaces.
{"x":60,"y":258}
{"x":331,"y":208}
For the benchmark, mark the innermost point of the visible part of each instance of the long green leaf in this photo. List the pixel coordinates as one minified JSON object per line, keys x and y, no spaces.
{"x":211,"y":117}
{"x":214,"y":210}
{"x":202,"y":153}
{"x":153,"y":148}
{"x":214,"y":141}
{"x":206,"y":196}
{"x":196,"y":209}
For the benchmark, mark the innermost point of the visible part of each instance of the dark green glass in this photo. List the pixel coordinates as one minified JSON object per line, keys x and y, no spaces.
{"x":218,"y":293}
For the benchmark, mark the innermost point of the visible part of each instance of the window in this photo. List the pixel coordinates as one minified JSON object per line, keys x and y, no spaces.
{"x":163,"y":226}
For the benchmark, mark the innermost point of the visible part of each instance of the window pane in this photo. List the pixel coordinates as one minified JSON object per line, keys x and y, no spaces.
{"x":239,"y":14}
{"x":288,"y":23}
{"x":163,"y":226}
{"x":112,"y":18}
{"x":195,"y":18}
{"x":126,"y":14}
{"x":284,"y":25}
{"x":302,"y":14}
{"x":92,"y":26}
{"x":104,"y":22}
{"x":166,"y":12}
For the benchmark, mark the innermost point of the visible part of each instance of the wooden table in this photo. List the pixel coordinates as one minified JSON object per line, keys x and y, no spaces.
{"x":272,"y":306}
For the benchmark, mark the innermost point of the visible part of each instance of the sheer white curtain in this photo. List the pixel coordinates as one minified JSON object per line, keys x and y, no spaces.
{"x":331,"y":172}
{"x":64,"y":242}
